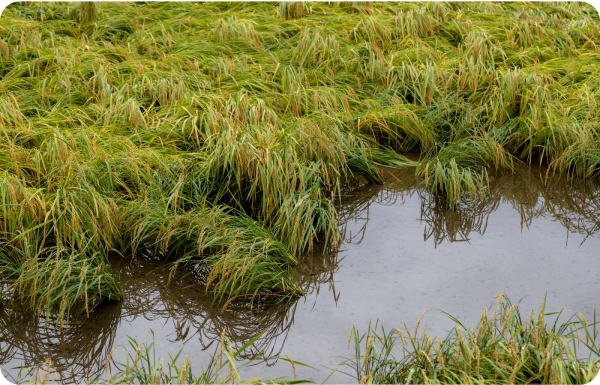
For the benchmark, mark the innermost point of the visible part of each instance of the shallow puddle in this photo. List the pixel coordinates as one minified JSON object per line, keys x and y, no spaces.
{"x":404,"y":251}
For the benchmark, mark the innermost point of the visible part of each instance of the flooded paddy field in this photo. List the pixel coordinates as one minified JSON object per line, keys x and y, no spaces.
{"x":404,"y":251}
{"x":171,"y":172}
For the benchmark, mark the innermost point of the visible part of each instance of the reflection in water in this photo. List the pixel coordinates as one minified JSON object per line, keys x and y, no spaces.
{"x":399,"y":184}
{"x":442,"y":223}
{"x":189,"y":309}
{"x":574,"y":203}
{"x":80,"y":351}
{"x":317,"y":269}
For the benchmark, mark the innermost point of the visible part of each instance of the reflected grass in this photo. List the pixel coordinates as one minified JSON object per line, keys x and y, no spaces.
{"x":530,"y":190}
{"x":156,"y":293}
{"x":79,"y":350}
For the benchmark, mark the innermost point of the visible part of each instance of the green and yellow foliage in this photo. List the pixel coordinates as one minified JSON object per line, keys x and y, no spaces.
{"x":224,"y":133}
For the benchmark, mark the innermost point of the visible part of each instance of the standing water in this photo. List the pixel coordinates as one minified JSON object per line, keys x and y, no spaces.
{"x":533,"y":238}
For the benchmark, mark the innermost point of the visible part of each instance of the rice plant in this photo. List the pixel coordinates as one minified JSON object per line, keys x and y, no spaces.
{"x":236,"y":29}
{"x":293,"y":9}
{"x":504,"y":347}
{"x":226,"y":141}
{"x":88,"y":11}
{"x":244,"y":258}
{"x":64,"y":282}
{"x":461,"y":168}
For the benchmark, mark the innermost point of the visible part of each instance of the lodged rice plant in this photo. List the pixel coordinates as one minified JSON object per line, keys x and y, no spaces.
{"x":461,"y":167}
{"x":244,"y":258}
{"x":226,"y":142}
{"x":63,"y":282}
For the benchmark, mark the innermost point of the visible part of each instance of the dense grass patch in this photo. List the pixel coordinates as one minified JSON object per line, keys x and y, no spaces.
{"x":222,"y":134}
{"x":503,"y":348}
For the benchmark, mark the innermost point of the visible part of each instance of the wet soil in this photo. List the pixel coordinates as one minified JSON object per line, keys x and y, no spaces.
{"x":404,"y":251}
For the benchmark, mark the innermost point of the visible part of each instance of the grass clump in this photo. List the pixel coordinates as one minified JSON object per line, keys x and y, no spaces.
{"x":461,"y":167}
{"x":502,"y":348}
{"x":141,"y":366}
{"x":61,"y":285}
{"x":244,"y":258}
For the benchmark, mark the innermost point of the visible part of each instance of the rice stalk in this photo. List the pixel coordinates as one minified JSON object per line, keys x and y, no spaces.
{"x":293,"y":10}
{"x":88,"y":11}
{"x":62,"y":281}
{"x":504,"y":347}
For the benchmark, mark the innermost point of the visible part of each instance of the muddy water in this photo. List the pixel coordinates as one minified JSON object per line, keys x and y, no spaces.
{"x":404,"y":251}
